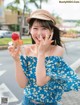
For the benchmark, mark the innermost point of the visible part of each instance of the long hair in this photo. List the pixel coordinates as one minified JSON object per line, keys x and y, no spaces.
{"x":49,"y":25}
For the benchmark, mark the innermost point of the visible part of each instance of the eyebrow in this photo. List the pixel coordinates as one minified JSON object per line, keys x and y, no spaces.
{"x":37,"y":26}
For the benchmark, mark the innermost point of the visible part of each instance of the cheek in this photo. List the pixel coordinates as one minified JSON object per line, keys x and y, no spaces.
{"x":46,"y":33}
{"x":33,"y":34}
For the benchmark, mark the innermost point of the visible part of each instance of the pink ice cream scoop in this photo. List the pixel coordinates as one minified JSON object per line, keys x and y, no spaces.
{"x":16,"y":39}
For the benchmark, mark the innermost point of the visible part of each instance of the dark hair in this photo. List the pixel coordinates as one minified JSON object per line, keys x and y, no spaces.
{"x":49,"y":25}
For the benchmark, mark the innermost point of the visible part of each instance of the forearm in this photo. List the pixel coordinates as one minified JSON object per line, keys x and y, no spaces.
{"x":41,"y":77}
{"x":20,"y":76}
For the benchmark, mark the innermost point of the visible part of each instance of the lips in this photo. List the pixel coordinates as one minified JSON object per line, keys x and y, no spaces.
{"x":40,"y":38}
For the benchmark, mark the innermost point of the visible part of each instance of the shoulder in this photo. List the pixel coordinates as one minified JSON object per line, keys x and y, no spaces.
{"x":28,"y":48}
{"x":59,"y":50}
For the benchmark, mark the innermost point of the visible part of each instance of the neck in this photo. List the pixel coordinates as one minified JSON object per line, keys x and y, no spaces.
{"x":36,"y":49}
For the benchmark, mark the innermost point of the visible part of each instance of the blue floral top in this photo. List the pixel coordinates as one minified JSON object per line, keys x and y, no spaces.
{"x":63,"y":79}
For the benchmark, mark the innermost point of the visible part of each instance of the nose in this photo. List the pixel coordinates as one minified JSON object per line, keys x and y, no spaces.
{"x":39,"y":33}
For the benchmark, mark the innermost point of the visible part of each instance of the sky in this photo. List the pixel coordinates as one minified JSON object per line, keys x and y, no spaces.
{"x":66,"y":10}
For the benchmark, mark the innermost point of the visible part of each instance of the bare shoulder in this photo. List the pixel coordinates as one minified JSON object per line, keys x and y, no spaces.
{"x":59,"y":50}
{"x":28,"y":48}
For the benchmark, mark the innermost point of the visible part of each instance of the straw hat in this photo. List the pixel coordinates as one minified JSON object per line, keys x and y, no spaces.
{"x":41,"y":14}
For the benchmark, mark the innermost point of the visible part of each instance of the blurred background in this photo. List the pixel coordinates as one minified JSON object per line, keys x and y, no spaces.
{"x":13,"y":14}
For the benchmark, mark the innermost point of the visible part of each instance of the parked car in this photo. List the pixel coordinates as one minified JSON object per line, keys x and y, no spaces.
{"x":5,"y":34}
{"x":8,"y":34}
{"x":2,"y":34}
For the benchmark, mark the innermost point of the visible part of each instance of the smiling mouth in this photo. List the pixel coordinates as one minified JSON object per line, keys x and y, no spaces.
{"x":39,"y":38}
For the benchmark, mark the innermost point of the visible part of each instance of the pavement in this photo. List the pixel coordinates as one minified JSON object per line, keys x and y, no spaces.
{"x":65,"y":39}
{"x":71,"y":98}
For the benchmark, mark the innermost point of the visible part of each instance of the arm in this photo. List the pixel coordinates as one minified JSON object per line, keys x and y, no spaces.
{"x":41,"y":78}
{"x":20,"y":76}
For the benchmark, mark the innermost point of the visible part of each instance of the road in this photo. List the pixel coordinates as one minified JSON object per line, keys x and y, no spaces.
{"x":72,"y":52}
{"x":8,"y":85}
{"x":7,"y":78}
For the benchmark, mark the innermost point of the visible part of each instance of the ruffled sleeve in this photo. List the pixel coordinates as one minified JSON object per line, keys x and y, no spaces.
{"x":24,"y":63}
{"x":61,"y":72}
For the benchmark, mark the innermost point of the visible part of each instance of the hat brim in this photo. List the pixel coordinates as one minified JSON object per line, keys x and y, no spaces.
{"x":41,"y":14}
{"x":28,"y":19}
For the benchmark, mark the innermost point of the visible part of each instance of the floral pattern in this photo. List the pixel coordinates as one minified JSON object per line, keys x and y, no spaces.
{"x":63,"y":79}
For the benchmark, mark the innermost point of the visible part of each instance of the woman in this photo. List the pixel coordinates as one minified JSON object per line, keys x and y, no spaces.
{"x":42,"y":72}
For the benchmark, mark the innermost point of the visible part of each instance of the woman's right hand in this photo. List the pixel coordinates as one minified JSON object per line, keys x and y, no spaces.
{"x":14,"y":52}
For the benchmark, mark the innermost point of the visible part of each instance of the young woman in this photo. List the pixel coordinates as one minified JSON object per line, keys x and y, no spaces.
{"x":43,"y":73}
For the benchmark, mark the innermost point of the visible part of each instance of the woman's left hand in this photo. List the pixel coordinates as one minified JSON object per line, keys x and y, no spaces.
{"x":44,"y":44}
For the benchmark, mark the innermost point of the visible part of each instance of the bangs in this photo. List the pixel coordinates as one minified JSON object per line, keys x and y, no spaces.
{"x":43,"y":23}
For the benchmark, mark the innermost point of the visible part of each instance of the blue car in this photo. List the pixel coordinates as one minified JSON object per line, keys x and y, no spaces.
{"x":5,"y":34}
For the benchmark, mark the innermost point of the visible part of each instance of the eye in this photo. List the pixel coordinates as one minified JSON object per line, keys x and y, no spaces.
{"x":35,"y":28}
{"x":44,"y":28}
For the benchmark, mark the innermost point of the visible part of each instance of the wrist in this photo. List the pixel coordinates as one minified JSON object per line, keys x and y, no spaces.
{"x":17,"y":61}
{"x":41,"y":55}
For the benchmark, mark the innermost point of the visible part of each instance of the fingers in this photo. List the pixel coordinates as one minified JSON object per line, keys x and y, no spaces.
{"x":14,"y":52}
{"x":51,"y":36}
{"x":11,"y":48}
{"x":47,"y":37}
{"x":52,"y":41}
{"x":41,"y":38}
